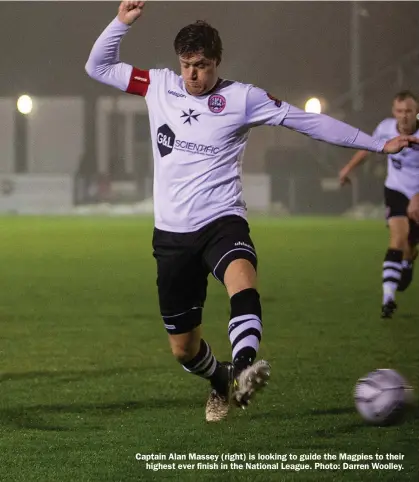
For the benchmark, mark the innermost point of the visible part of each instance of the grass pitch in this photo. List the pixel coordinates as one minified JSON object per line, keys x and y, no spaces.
{"x":87,"y":380}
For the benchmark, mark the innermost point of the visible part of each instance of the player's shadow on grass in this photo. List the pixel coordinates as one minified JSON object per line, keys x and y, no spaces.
{"x":347,"y":428}
{"x":41,"y":417}
{"x":332,"y":411}
{"x":408,"y":316}
{"x":73,"y":375}
{"x":273,"y":413}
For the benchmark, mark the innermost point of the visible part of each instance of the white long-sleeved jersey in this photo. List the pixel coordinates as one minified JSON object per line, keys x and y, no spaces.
{"x":199,"y":141}
{"x":403,"y":167}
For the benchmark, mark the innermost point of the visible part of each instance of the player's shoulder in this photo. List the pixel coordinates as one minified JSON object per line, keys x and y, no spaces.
{"x":233,"y":84}
{"x":387,"y":125}
{"x":163,"y":75}
{"x":237,"y":86}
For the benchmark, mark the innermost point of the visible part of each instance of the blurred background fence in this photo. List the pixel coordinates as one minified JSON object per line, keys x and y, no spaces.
{"x":78,"y":146}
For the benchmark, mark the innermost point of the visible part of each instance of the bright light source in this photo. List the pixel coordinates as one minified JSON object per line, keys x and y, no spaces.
{"x":313,"y":105}
{"x":24,"y":104}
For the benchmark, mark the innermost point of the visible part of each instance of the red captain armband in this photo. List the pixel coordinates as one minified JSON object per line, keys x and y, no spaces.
{"x":138,"y":82}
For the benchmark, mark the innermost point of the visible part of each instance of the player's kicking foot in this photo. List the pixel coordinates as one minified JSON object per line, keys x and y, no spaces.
{"x":218,"y":402}
{"x":388,"y":309}
{"x":249,"y":381}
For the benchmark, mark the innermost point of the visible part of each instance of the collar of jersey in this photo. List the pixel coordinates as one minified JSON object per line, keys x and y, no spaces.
{"x":216,"y":86}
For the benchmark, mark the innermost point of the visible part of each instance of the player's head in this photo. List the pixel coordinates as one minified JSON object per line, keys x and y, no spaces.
{"x":405,"y":110}
{"x":199,"y":49}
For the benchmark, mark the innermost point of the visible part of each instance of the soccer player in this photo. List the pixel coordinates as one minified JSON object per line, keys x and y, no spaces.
{"x":199,"y":126}
{"x":401,"y":194}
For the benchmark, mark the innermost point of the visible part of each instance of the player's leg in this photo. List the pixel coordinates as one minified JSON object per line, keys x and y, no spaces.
{"x":245,"y":330}
{"x":232,"y":258}
{"x":398,"y":223}
{"x":182,"y":283}
{"x":409,"y":257}
{"x":392,"y":266}
{"x":196,"y":357}
{"x":408,"y":262}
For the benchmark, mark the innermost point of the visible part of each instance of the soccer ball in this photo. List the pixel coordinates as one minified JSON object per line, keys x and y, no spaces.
{"x":381,"y":396}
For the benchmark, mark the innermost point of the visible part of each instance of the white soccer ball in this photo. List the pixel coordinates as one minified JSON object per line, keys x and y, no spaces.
{"x":381,"y":397}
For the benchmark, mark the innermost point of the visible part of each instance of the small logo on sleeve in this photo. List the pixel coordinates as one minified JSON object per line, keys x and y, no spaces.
{"x":274,"y":99}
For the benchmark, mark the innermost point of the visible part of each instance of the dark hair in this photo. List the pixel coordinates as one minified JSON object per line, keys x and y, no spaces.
{"x":406,"y":94}
{"x":199,"y":37}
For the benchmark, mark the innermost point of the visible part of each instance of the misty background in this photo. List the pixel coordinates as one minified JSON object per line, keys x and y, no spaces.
{"x":352,"y":56}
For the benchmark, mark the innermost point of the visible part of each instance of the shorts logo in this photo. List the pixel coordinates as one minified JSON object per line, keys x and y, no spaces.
{"x":165,"y":140}
{"x":241,"y":243}
{"x":216,"y":103}
{"x":277,"y":101}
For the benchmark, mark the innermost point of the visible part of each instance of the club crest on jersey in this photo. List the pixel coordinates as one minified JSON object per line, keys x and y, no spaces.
{"x":216,"y":103}
{"x":277,"y":101}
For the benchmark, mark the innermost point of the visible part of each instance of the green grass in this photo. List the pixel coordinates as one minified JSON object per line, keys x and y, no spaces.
{"x":87,"y":380}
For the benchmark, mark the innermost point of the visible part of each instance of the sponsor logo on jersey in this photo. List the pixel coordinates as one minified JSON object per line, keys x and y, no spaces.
{"x":176,"y":94}
{"x":189,"y":116}
{"x":166,"y":142}
{"x":397,"y":163}
{"x":216,"y":103}
{"x":194,"y":148}
{"x":274,"y":99}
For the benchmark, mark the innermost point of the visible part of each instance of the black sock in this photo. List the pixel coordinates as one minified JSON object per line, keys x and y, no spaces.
{"x":204,"y":363}
{"x":245,"y":327}
{"x":392,"y":272}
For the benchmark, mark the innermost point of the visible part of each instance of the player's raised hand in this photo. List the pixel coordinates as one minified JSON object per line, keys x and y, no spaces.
{"x":129,"y":11}
{"x":396,"y":144}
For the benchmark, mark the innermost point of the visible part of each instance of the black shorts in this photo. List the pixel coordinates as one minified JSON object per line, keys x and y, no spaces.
{"x":396,"y":205}
{"x":184,"y":261}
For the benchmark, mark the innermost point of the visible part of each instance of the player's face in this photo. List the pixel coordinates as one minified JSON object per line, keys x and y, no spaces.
{"x":199,"y":73}
{"x":405,"y":112}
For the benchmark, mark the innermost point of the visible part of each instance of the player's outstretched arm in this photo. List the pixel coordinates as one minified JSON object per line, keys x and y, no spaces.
{"x":355,"y":161}
{"x":103,"y":64}
{"x":332,"y":131}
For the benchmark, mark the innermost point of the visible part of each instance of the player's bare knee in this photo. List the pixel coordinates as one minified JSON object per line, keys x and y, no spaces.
{"x":185,"y":346}
{"x":240,"y":275}
{"x":399,"y":239}
{"x":399,"y":242}
{"x":399,"y":232}
{"x":183,"y":354}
